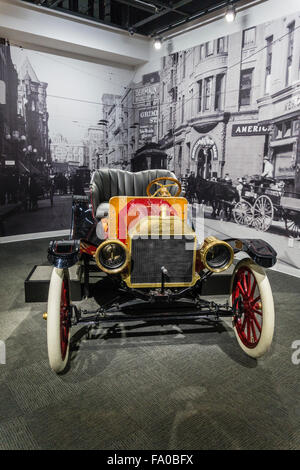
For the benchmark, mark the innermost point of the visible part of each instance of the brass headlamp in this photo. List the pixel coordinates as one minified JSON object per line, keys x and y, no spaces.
{"x":216,"y":255}
{"x":112,"y":256}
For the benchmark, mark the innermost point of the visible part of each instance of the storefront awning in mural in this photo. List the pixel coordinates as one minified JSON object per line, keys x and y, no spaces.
{"x":205,"y":127}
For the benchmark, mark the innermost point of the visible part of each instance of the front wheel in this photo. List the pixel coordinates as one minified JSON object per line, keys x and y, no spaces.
{"x":243,"y":213}
{"x":252,"y":299}
{"x":58,"y":320}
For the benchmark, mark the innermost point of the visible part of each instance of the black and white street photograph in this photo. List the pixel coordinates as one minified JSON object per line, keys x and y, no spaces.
{"x":223,"y":116}
{"x":51,"y":135}
{"x":149,"y":228}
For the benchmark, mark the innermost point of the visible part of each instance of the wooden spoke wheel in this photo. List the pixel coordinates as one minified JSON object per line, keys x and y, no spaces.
{"x":252,"y":299}
{"x":263,"y":213}
{"x":58,"y":320}
{"x":243,"y":213}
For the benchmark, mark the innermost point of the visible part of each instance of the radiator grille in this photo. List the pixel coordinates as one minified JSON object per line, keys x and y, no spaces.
{"x":149,"y":255}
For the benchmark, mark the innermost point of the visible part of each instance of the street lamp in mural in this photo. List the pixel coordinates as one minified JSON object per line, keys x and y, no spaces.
{"x":14,"y":139}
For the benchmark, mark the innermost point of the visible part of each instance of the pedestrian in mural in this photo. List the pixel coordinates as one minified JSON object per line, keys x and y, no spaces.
{"x":78,"y":184}
{"x":227,"y":179}
{"x":34,"y":190}
{"x":23,"y":190}
{"x":64,"y":184}
{"x":268,"y":168}
{"x":240,"y":186}
{"x":59,"y":183}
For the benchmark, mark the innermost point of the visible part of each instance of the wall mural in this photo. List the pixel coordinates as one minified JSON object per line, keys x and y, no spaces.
{"x":226,"y":111}
{"x":51,"y":134}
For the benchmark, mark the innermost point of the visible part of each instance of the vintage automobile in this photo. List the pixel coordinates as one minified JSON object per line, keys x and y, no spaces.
{"x":134,"y":233}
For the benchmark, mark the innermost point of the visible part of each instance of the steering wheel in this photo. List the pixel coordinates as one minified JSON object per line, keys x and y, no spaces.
{"x":163,"y":191}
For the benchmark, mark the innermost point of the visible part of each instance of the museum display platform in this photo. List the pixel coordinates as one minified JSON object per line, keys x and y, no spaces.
{"x":139,"y":386}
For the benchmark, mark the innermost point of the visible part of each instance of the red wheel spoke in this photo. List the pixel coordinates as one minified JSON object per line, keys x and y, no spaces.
{"x":249,"y":283}
{"x":248,"y":330}
{"x":247,"y":291}
{"x":256,"y":323}
{"x":241,"y":288}
{"x":254,"y":332}
{"x":244,"y":324}
{"x":258,"y":312}
{"x":64,"y":318}
{"x":253,"y":288}
{"x":245,"y":283}
{"x":255,"y":300}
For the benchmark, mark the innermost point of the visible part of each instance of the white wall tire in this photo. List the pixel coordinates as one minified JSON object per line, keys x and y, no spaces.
{"x":58,"y":331}
{"x":255,"y":328}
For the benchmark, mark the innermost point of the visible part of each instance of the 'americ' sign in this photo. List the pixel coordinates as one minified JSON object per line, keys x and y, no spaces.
{"x":249,"y":129}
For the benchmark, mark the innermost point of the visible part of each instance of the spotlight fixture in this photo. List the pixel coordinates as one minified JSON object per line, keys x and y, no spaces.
{"x":230,"y":13}
{"x":157,"y":43}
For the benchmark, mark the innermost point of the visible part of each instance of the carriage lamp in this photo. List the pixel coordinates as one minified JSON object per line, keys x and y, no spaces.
{"x":216,"y":255}
{"x":112,"y":256}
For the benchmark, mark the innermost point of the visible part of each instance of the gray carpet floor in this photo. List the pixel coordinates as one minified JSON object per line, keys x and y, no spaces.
{"x":159,"y":387}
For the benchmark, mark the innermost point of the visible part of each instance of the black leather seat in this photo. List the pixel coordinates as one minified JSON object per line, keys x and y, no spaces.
{"x":106,"y":183}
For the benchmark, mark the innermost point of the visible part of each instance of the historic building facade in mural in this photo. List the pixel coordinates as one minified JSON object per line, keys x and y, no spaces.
{"x":72,"y":154}
{"x":227,"y":103}
{"x":218,"y":108}
{"x":32,"y":108}
{"x":279,"y":107}
{"x":10,"y":128}
{"x":131,"y":120}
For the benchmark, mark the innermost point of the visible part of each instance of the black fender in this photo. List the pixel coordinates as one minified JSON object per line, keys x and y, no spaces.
{"x":259,"y":250}
{"x":64,"y":253}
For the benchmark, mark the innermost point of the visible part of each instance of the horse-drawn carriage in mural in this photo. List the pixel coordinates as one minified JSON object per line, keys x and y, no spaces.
{"x":264,"y":200}
{"x":133,"y":234}
{"x":221,"y":195}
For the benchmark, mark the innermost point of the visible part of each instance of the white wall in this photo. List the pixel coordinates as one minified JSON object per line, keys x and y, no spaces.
{"x":56,"y":32}
{"x":43,"y":29}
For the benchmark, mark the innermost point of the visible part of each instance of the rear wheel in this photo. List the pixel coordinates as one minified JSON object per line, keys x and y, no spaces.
{"x":252,"y":298}
{"x":263,"y":212}
{"x":58,"y":320}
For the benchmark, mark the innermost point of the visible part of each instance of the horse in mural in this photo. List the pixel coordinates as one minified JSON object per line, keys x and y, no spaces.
{"x":220,"y":196}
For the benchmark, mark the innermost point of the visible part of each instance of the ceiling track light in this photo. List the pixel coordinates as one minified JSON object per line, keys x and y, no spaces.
{"x":157,"y":43}
{"x":230,"y":13}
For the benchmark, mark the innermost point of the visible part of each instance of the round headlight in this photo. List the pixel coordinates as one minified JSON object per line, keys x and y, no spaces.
{"x":216,"y":255}
{"x":112,"y":256}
